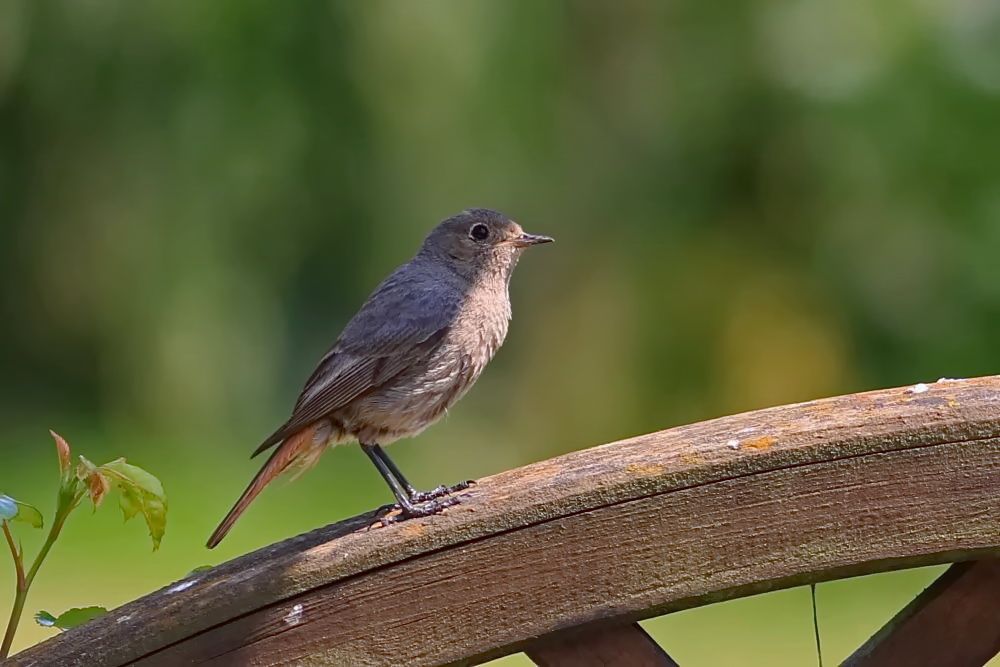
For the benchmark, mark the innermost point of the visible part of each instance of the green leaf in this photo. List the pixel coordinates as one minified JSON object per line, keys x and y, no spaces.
{"x":135,"y":476}
{"x":140,"y":493}
{"x":69,"y":618}
{"x":130,"y":502}
{"x":198,"y":570}
{"x":15,"y":510}
{"x":29,"y":514}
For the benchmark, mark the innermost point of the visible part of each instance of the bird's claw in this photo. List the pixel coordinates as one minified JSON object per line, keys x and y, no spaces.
{"x":418,"y":509}
{"x":441,"y":491}
{"x":422,"y":503}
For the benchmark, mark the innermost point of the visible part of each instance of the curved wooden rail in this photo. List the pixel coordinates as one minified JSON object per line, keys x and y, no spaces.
{"x":596,"y":539}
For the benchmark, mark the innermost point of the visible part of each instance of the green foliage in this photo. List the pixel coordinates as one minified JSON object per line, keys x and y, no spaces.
{"x":15,"y":510}
{"x":69,"y":618}
{"x":29,"y":514}
{"x":141,"y":493}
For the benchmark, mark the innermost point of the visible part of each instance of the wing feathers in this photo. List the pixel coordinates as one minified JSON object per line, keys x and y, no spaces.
{"x":343,"y":377}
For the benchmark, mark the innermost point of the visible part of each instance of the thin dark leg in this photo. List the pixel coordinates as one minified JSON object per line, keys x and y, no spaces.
{"x":398,"y":489}
{"x":414,"y":495}
{"x":394,"y":469}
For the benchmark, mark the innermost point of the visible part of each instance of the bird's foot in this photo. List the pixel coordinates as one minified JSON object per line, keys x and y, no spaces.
{"x":441,"y":491}
{"x":418,"y":509}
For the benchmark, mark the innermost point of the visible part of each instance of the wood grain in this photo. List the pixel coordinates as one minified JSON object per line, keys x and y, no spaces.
{"x":954,"y":623}
{"x":622,"y":646}
{"x":597,"y":538}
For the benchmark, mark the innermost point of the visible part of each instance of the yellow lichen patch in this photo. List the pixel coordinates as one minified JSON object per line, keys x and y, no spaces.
{"x":646,"y":469}
{"x":761,"y":443}
{"x":692,"y":460}
{"x":413,"y":528}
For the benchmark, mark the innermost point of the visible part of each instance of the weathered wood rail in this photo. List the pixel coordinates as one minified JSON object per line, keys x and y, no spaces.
{"x":560,"y":558}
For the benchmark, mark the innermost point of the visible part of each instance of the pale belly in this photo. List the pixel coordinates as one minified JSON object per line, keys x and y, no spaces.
{"x":412,"y":402}
{"x":419,"y":396}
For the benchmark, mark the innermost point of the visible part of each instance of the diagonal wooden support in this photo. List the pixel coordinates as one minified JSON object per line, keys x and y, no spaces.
{"x":601,"y":537}
{"x":954,"y":623}
{"x":622,"y":646}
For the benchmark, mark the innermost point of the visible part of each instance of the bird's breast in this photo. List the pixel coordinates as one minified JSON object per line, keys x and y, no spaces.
{"x":422,"y":393}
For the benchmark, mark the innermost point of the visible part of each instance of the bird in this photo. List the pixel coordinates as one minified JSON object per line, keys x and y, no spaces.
{"x":413,"y":349}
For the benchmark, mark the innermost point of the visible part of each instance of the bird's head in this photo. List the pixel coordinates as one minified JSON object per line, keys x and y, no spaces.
{"x":478,"y":240}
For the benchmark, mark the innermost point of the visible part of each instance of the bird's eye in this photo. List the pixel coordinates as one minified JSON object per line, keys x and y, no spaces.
{"x":479,"y":232}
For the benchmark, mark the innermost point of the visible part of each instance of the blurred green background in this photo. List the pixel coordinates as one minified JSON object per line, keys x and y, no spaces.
{"x":754,"y":203}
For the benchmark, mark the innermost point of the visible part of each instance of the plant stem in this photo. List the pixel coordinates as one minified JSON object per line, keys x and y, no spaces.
{"x":57,"y":524}
{"x":819,"y":645}
{"x":20,"y":595}
{"x":24,"y":581}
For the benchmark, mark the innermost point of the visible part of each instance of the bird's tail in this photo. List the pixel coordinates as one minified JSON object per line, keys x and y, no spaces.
{"x":298,"y":447}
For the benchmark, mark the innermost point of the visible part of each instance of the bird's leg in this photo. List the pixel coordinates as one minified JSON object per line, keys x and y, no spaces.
{"x":396,"y":473}
{"x":409,"y":506}
{"x":398,"y":489}
{"x":418,"y":496}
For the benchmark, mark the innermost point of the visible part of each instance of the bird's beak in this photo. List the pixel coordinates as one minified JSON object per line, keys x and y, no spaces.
{"x":525,"y":240}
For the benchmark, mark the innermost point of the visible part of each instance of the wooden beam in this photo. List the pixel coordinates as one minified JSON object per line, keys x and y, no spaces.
{"x":609,"y":535}
{"x":955,"y":622}
{"x":621,"y":646}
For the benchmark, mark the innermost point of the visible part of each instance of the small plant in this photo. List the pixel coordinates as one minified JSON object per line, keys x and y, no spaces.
{"x":139,"y":493}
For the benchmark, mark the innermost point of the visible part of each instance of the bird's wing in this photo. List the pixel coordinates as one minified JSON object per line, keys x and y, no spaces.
{"x":400,"y":324}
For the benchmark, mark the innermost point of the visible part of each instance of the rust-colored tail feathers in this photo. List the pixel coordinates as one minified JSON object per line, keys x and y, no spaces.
{"x":296,"y":447}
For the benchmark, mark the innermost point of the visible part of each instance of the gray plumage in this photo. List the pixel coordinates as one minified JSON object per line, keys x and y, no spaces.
{"x":414,"y":348}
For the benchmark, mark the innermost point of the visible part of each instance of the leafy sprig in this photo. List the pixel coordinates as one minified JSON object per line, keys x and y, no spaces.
{"x":139,"y":493}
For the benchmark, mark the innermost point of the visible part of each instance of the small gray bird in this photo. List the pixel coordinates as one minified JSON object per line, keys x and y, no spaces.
{"x":415,"y":347}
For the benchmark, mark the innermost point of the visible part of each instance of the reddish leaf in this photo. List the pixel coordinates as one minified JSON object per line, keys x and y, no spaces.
{"x":62,"y":448}
{"x":95,"y":480}
{"x":97,"y":486}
